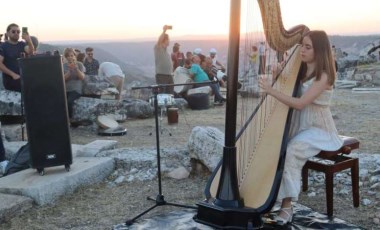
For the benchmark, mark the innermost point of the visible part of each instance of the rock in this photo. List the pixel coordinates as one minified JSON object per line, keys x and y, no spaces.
{"x":179,"y":173}
{"x":14,"y":132}
{"x":85,"y":108}
{"x":376,"y":221}
{"x":345,"y":84}
{"x":206,"y":145}
{"x":119,"y":180}
{"x":10,"y":102}
{"x":366,"y":202}
{"x":141,"y":164}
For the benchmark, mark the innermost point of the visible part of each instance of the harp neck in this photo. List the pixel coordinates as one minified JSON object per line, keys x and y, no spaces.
{"x":277,"y":36}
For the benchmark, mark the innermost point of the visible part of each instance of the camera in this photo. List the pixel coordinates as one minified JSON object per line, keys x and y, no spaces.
{"x":169,"y":27}
{"x":24,"y":30}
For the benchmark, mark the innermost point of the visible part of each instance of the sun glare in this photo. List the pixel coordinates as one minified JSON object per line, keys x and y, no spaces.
{"x":75,"y":20}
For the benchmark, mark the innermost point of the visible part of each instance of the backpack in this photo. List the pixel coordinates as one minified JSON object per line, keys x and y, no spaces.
{"x":20,"y":161}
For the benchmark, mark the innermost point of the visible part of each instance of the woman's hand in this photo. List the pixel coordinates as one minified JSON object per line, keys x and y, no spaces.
{"x":265,"y":84}
{"x":72,"y":65}
{"x":277,"y":68}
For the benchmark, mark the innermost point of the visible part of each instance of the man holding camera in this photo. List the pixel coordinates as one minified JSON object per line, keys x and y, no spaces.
{"x":163,"y":61}
{"x":10,"y":51}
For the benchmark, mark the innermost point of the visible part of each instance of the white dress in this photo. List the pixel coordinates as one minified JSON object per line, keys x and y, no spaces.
{"x":313,"y":129}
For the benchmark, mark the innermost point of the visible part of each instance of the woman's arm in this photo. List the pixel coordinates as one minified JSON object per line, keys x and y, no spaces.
{"x":297,"y":103}
{"x":80,"y":71}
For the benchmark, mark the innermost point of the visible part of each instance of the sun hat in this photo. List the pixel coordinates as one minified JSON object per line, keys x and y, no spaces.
{"x":213,"y":51}
{"x":197,"y":51}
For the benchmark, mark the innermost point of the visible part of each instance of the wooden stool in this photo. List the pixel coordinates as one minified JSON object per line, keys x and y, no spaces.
{"x":340,"y":162}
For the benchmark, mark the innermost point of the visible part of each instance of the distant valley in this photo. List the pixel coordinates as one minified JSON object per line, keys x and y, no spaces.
{"x":137,"y":58}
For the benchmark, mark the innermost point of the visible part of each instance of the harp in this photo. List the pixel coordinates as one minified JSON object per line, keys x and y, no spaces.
{"x":244,"y":185}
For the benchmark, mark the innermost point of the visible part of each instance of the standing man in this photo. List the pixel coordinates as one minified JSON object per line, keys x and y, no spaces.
{"x":90,"y":63}
{"x":262,"y":58}
{"x":10,"y":51}
{"x":113,"y":73}
{"x":163,"y":61}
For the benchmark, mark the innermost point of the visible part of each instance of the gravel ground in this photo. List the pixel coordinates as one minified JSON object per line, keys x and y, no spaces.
{"x":101,"y":206}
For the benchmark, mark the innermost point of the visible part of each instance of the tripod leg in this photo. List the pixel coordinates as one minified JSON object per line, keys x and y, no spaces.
{"x":131,"y":221}
{"x":181,"y":205}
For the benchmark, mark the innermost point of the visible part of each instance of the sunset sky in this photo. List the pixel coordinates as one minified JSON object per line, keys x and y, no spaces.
{"x":73,"y":20}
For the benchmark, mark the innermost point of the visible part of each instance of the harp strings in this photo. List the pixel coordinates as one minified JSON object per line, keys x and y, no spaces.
{"x":256,"y":61}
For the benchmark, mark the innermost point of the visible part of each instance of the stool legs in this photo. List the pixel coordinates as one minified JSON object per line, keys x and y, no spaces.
{"x":305,"y":178}
{"x":329,"y":192}
{"x":329,"y":170}
{"x":355,"y":182}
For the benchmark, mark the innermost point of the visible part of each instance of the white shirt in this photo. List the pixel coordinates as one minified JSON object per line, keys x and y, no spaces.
{"x":109,"y":69}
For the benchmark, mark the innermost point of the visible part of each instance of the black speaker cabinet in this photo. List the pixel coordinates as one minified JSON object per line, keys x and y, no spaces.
{"x":47,"y":121}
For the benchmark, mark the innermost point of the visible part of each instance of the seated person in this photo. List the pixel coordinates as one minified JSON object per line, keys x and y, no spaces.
{"x":198,"y":75}
{"x":212,"y":71}
{"x":215,"y":61}
{"x":113,"y":73}
{"x":181,"y":75}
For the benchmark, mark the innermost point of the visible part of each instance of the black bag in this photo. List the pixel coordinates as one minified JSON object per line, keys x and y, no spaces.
{"x":20,"y":161}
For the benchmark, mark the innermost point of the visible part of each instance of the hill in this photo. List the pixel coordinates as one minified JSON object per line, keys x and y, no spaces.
{"x":132,"y":72}
{"x":137,"y":58}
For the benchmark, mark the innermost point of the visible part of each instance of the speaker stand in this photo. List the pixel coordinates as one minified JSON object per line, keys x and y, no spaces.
{"x":160,"y":199}
{"x":160,"y":125}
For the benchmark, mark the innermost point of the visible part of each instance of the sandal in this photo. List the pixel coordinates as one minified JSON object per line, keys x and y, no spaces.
{"x":289,"y":216}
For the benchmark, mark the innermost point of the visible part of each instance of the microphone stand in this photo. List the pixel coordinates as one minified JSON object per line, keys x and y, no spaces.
{"x":160,"y":199}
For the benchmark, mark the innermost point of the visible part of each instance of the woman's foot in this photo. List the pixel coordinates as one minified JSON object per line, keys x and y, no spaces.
{"x":284,"y":216}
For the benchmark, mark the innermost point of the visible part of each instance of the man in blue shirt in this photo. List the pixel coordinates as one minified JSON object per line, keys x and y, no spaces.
{"x":10,"y":51}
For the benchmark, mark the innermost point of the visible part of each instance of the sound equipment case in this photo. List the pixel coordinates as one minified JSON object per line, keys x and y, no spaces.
{"x":46,"y":115}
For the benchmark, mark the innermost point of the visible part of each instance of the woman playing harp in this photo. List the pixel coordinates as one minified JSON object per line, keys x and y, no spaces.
{"x":313,"y":128}
{"x":246,"y":183}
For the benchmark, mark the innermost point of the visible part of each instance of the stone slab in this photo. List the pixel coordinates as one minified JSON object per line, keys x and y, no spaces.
{"x":57,"y":181}
{"x":95,"y":147}
{"x":366,"y":89}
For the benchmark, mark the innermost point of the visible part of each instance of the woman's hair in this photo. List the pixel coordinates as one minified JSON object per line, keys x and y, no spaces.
{"x":80,"y":57}
{"x":175,"y":49}
{"x":67,"y":51}
{"x":323,"y":57}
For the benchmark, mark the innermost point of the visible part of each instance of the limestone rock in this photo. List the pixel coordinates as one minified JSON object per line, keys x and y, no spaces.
{"x":206,"y":145}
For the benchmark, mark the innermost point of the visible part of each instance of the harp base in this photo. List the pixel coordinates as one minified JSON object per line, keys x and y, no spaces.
{"x":227,"y":218}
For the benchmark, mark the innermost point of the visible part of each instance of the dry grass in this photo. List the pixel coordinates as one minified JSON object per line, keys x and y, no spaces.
{"x":100,"y":206}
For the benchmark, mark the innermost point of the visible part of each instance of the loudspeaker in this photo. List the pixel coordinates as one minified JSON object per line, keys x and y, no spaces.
{"x":46,"y":115}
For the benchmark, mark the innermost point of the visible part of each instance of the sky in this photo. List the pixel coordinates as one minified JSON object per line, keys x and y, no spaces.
{"x":73,"y":20}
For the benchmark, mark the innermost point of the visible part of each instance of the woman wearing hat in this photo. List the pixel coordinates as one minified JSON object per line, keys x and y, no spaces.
{"x":215,"y":62}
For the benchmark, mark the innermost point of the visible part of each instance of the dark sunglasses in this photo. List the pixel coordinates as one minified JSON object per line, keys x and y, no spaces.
{"x":15,"y":31}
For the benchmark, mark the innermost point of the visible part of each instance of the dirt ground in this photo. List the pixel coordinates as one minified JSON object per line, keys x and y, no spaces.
{"x":101,"y":206}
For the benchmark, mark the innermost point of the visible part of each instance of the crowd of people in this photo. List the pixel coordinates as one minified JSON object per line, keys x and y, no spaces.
{"x":76,"y":65}
{"x":201,"y":68}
